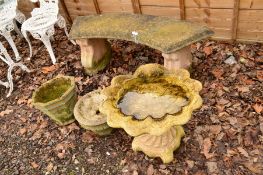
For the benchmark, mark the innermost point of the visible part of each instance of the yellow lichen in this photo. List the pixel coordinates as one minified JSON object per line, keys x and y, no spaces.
{"x":161,"y":146}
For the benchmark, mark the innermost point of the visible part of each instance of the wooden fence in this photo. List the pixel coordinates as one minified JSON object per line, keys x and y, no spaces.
{"x":240,"y":20}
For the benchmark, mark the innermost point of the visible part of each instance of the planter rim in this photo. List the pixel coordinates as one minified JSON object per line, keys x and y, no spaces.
{"x":69,"y":90}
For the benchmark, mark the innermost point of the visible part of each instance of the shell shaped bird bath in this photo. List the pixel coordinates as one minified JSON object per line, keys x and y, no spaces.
{"x":132,"y":99}
{"x":151,"y":105}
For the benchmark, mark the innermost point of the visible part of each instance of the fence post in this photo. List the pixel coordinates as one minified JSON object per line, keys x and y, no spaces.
{"x":182,"y":9}
{"x":97,"y":7}
{"x":235,"y":19}
{"x":136,"y":6}
{"x":65,"y":9}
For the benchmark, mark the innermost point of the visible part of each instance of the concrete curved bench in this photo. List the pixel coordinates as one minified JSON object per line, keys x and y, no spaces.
{"x":172,"y":37}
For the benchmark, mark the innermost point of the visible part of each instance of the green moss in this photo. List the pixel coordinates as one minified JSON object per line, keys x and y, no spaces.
{"x":155,"y":85}
{"x":52,"y":91}
{"x":57,"y":98}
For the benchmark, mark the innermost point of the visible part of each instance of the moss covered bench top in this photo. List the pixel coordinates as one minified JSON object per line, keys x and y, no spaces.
{"x":163,"y":33}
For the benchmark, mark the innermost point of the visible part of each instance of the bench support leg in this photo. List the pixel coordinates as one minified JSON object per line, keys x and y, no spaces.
{"x":180,"y":59}
{"x":95,"y":54}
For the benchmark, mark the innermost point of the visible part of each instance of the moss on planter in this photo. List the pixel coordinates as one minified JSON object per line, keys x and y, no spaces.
{"x":57,"y":98}
{"x":161,"y":146}
{"x":88,"y":115}
{"x":151,"y":78}
{"x":53,"y":91}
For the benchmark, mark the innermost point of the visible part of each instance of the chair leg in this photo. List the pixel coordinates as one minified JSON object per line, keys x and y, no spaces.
{"x":8,"y":37}
{"x":10,"y":83}
{"x":45,"y":39}
{"x":29,"y":44}
{"x":62,"y":24}
{"x":52,"y":38}
{"x":23,"y":67}
{"x":6,"y":84}
{"x":10,"y":80}
{"x":17,"y":30}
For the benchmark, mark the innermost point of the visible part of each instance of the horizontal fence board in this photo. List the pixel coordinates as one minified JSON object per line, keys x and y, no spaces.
{"x":161,"y":11}
{"x":219,"y":20}
{"x":80,"y":13}
{"x":246,"y":26}
{"x":251,"y":15}
{"x":86,"y":5}
{"x":110,"y":6}
{"x":251,"y":4}
{"x":167,"y":3}
{"x":219,"y":14}
{"x":80,"y":7}
{"x":222,"y":33}
{"x":210,"y":3}
{"x":256,"y":36}
{"x":250,"y":26}
{"x":212,"y":23}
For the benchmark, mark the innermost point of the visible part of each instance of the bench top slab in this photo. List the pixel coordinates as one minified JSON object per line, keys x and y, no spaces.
{"x":163,"y":33}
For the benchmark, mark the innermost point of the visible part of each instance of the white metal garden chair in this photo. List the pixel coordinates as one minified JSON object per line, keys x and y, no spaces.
{"x":41,"y":24}
{"x":9,"y":15}
{"x":4,"y":56}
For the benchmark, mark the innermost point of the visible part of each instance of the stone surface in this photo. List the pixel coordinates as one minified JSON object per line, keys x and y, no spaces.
{"x":143,"y":105}
{"x":161,"y":146}
{"x":151,"y":78}
{"x":95,"y":54}
{"x":162,"y":33}
{"x":88,"y":115}
{"x":179,"y":59}
{"x":57,"y":98}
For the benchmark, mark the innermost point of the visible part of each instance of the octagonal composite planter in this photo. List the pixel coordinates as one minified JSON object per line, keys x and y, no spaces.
{"x":57,"y":98}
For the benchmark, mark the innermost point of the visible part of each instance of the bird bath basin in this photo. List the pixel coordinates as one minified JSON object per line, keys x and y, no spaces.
{"x":152,"y":100}
{"x":143,"y":105}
